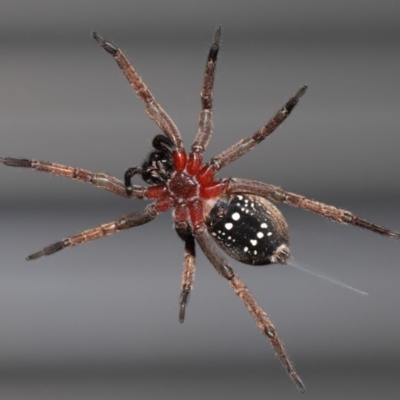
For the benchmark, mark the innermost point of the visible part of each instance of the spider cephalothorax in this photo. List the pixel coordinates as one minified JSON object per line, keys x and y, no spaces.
{"x":235,"y":214}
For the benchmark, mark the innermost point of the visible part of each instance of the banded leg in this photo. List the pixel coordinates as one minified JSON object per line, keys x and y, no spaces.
{"x":154,"y":110}
{"x":100,"y":180}
{"x":334,"y":214}
{"x":259,"y":315}
{"x":245,"y":145}
{"x":125,"y":222}
{"x":189,"y":268}
{"x":206,"y":115}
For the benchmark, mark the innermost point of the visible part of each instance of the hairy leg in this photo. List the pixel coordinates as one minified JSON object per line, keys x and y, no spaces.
{"x":125,"y":222}
{"x":275,"y":193}
{"x":154,"y":110}
{"x":206,"y":115}
{"x":189,"y":268}
{"x":259,"y":315}
{"x":100,"y":180}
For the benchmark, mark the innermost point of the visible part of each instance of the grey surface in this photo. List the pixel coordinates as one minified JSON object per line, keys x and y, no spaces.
{"x":100,"y":321}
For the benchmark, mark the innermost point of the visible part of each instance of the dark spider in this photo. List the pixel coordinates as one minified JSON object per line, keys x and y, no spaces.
{"x":236,"y":214}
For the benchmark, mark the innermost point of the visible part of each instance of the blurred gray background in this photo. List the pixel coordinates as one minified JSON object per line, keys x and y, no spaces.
{"x":101,"y":321}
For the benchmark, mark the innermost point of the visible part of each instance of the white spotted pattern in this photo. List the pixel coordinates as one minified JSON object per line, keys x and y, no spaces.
{"x":245,"y":229}
{"x":236,"y":216}
{"x":228,"y":226}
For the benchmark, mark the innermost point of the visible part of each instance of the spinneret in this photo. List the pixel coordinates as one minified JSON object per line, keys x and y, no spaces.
{"x":233,"y":213}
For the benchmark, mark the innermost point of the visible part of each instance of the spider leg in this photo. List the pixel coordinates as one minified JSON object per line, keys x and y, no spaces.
{"x":245,"y":145}
{"x":154,"y":110}
{"x":206,"y":95}
{"x":125,"y":222}
{"x":101,"y":180}
{"x":277,"y":194}
{"x":259,"y":315}
{"x":188,"y":268}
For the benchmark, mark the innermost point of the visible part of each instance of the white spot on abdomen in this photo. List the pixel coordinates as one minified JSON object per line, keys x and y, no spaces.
{"x":228,"y":226}
{"x":236,"y":216}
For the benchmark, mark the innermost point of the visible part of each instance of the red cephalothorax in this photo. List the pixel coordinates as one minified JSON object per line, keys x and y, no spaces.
{"x":186,"y":189}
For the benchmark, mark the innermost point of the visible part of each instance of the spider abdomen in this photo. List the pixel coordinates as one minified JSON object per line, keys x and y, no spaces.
{"x":250,"y":229}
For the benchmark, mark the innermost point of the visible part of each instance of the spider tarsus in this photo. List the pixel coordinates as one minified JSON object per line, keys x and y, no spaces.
{"x":53,"y":248}
{"x":183,"y":302}
{"x":34,"y":256}
{"x":217,"y":34}
{"x":295,"y":99}
{"x":362,"y":223}
{"x":215,"y":45}
{"x":107,"y":46}
{"x":16,"y":162}
{"x":299,"y":383}
{"x":182,"y":310}
{"x":182,"y":314}
{"x":301,"y":91}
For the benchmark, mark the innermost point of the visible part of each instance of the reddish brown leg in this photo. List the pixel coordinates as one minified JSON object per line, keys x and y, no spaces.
{"x":189,"y":268}
{"x":245,"y":145}
{"x":125,"y":222}
{"x":259,"y":315}
{"x":154,"y":110}
{"x":276,"y":193}
{"x":100,"y":180}
{"x":206,"y":115}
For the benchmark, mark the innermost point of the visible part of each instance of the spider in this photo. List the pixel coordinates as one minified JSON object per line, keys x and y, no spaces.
{"x":235,"y":214}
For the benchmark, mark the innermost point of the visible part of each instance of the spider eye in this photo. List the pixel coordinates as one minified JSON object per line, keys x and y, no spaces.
{"x":250,"y":229}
